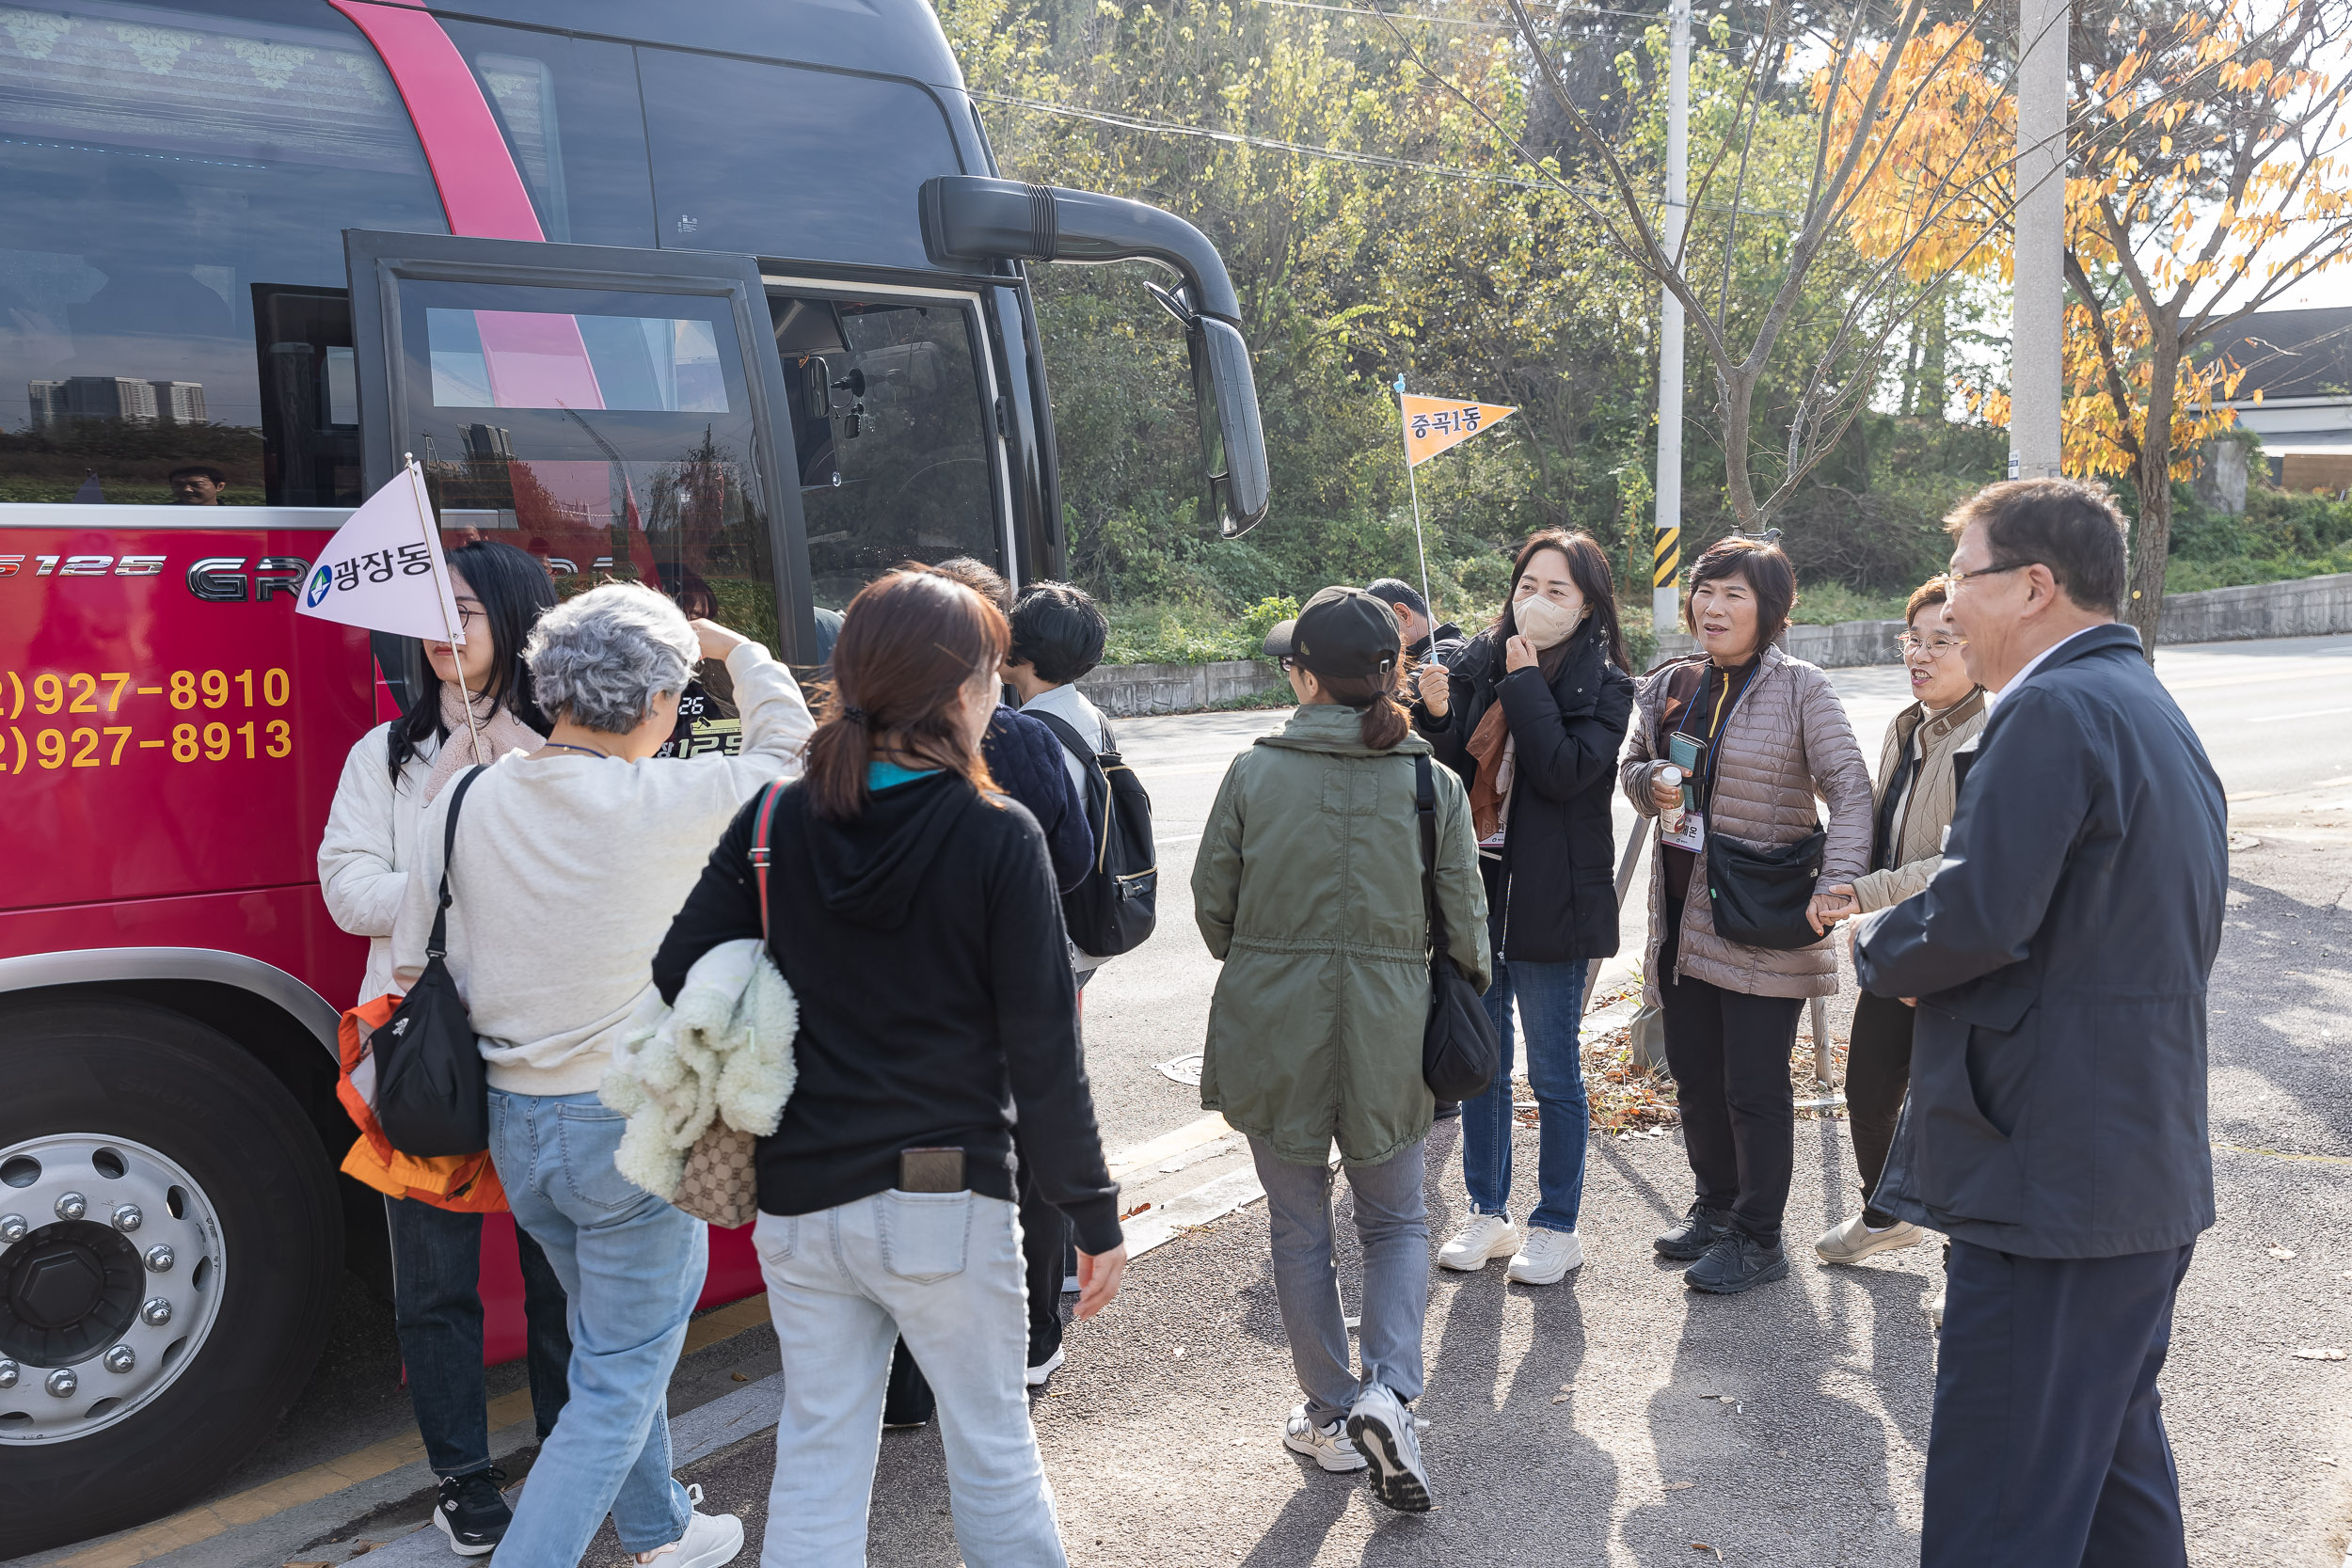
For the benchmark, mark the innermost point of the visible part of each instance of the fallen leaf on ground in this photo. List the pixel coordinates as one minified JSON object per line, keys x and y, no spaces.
{"x":1677,"y":1486}
{"x":1567,"y":1387}
{"x":2313,"y":1353}
{"x":1561,"y":1398}
{"x":2282,"y":1254}
{"x":1133,"y":1212}
{"x":1703,"y":1547}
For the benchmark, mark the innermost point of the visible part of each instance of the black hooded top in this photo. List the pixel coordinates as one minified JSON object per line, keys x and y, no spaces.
{"x":923,"y":944}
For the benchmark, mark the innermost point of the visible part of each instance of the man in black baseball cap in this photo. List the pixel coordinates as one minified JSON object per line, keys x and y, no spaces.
{"x":1341,"y":634}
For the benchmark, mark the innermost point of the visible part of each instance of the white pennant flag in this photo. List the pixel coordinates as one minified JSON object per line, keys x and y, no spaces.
{"x":384,"y":570}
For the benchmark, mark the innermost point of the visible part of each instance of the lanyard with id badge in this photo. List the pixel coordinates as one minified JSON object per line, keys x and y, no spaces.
{"x":1696,"y":758}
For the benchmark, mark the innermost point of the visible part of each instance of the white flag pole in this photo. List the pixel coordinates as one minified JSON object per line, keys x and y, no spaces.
{"x":1420,"y":546}
{"x":447,"y":597}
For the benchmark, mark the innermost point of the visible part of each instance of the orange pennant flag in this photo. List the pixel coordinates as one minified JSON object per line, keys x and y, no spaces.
{"x":1433,"y":425}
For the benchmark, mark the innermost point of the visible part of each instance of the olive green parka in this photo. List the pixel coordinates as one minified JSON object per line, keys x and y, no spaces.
{"x":1308,"y":887}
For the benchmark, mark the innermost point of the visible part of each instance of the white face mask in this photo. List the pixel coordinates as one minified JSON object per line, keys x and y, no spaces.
{"x":1543,"y":622}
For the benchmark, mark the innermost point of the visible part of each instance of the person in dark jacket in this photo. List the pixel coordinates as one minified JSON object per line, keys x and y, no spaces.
{"x":2058,"y":960}
{"x":1424,"y":640}
{"x":912,"y":910}
{"x":1024,"y":757}
{"x":1531,"y":713}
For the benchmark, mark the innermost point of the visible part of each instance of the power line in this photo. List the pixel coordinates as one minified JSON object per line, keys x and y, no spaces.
{"x":1336,"y":154}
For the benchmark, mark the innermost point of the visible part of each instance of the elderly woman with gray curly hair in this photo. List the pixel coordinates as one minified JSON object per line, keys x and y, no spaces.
{"x":567,"y":864}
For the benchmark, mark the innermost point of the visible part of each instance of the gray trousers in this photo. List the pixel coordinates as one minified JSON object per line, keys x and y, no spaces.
{"x":1392,"y":1224}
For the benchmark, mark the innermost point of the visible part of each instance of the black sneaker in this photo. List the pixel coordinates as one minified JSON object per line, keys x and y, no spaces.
{"x":1737,"y":1261}
{"x":1699,"y":1230}
{"x":472,"y":1514}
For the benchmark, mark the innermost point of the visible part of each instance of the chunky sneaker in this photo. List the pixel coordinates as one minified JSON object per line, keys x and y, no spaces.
{"x":1854,"y":1241}
{"x":472,"y":1514}
{"x":1384,"y":1432}
{"x":1044,"y":1370}
{"x":1486,"y":1238}
{"x":710,"y":1539}
{"x":1546,"y":1256}
{"x":1698,"y":1231}
{"x":1326,"y":1446}
{"x":1736,"y":1263}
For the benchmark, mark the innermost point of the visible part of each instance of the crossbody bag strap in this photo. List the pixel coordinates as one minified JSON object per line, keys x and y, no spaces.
{"x":1425,"y":808}
{"x":437,"y":943}
{"x":759,"y":849}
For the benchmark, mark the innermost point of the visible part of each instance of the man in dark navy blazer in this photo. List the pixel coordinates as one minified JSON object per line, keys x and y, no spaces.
{"x":2055,"y":1129}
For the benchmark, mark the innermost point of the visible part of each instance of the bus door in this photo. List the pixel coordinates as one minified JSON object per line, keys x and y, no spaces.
{"x":613,"y":412}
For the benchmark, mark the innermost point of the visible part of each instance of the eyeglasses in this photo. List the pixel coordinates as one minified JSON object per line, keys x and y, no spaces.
{"x":1954,"y":577}
{"x":469,"y":611}
{"x":1935,"y":647}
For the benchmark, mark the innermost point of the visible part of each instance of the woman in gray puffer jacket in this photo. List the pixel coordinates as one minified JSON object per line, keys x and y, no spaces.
{"x":1775,"y":737}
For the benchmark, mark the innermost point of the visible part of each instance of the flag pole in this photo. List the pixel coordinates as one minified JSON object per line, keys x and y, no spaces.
{"x":424,"y":516}
{"x":1412,"y":483}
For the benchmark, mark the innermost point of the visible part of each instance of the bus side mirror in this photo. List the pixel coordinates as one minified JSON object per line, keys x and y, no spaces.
{"x":969,"y":218}
{"x":1232,"y":445}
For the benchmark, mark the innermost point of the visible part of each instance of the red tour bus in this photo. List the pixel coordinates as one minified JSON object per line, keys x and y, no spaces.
{"x":723,"y":297}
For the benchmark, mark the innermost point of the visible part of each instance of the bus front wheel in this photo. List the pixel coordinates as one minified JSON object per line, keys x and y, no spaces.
{"x":169,"y":1250}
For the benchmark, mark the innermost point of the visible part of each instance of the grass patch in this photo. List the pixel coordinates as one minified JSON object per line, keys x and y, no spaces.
{"x":1825,"y":604}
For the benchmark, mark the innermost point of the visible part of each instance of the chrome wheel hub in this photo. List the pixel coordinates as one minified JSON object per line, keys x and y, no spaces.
{"x":94,"y":1321}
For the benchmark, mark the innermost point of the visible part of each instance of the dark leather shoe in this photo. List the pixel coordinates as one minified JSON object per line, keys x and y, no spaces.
{"x":1736,"y":1263}
{"x":1698,"y":1231}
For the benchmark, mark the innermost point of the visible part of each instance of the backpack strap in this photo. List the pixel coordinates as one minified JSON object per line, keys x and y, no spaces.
{"x":437,"y":943}
{"x":759,"y":847}
{"x":1425,"y":808}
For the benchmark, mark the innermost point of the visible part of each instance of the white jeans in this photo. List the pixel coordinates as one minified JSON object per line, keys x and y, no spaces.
{"x":943,"y":1270}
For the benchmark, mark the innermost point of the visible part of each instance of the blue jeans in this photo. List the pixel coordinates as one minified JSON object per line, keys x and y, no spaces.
{"x":436,"y":1306}
{"x":1392,"y":1227}
{"x":1551,"y":1000}
{"x":632,"y":1266}
{"x":944,"y":1270}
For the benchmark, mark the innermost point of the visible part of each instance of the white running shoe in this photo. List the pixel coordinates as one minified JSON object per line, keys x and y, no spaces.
{"x":1935,"y":1310}
{"x":710,"y":1539}
{"x":1326,"y":1446}
{"x":1385,"y":1433}
{"x":1038,"y":1375}
{"x":1546,"y":1256}
{"x":1486,"y":1238}
{"x":1850,"y":1240}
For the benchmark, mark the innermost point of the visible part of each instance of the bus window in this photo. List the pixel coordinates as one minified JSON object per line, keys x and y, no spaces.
{"x":609,"y":433}
{"x":893,"y":447}
{"x":748,"y":158}
{"x":568,"y":107}
{"x":167,"y":174}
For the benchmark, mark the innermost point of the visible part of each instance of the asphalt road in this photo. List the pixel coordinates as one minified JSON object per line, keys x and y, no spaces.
{"x":1158,"y":1458}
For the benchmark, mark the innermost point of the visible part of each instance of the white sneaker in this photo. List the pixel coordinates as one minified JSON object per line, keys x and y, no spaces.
{"x":1038,"y":1375}
{"x":1326,"y":1446}
{"x":1383,"y":1431}
{"x":1935,"y":1310}
{"x":710,"y":1539}
{"x":1486,"y":1238}
{"x":1850,"y":1240}
{"x":1546,"y":1256}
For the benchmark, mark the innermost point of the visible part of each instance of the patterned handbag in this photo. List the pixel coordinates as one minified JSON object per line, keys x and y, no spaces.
{"x":721,"y":1185}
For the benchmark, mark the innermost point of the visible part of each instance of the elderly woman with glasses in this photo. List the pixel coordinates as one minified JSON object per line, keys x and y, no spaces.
{"x":1913,"y":805}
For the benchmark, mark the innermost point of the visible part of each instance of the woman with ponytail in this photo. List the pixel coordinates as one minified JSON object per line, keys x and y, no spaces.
{"x":912,"y":909}
{"x":1308,"y":887}
{"x":1532,"y":714}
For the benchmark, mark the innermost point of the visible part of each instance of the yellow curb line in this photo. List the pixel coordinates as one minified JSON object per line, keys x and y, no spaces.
{"x":207,"y":1520}
{"x":2274,"y":1155}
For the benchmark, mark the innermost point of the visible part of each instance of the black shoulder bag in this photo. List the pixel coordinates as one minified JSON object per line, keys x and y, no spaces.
{"x":432,"y":1095}
{"x":1460,"y":1052}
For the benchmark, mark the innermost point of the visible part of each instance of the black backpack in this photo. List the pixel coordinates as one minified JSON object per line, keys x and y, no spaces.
{"x":1115,"y":908}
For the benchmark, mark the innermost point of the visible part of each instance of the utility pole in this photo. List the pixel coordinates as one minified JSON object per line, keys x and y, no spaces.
{"x":1666,"y":550}
{"x":2038,"y":319}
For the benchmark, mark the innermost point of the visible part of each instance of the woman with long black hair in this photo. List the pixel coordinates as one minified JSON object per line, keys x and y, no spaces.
{"x":1531,"y":714}
{"x":392,"y":774}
